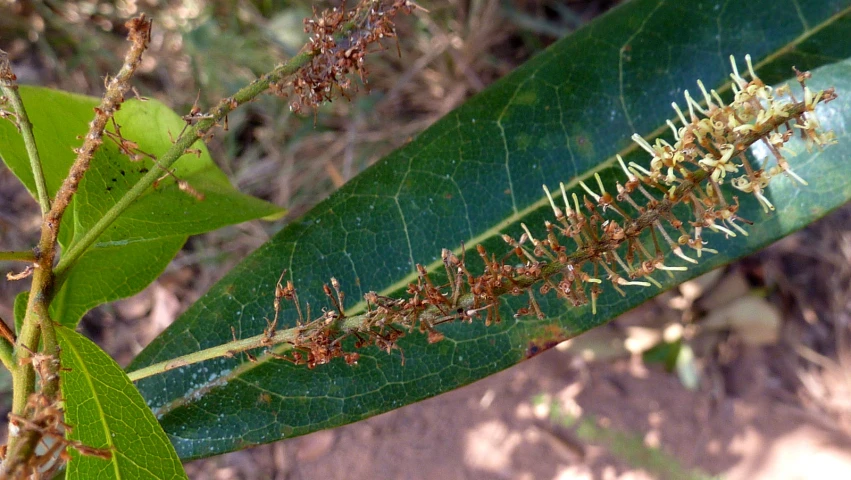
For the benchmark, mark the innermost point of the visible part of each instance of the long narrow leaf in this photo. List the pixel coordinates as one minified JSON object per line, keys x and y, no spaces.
{"x":471,"y":176}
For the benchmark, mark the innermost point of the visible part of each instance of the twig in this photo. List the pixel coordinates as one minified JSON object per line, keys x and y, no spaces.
{"x":284,"y":339}
{"x":37,"y":321}
{"x":191,"y":135}
{"x":7,"y":332}
{"x":27,"y":256}
{"x":43,"y":276}
{"x":9,"y":86}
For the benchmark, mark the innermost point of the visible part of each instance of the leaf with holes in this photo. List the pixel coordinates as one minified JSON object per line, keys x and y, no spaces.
{"x":471,"y":176}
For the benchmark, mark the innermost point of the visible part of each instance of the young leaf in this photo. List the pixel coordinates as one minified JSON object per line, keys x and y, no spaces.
{"x":471,"y":176}
{"x":107,"y":414}
{"x":141,"y":242}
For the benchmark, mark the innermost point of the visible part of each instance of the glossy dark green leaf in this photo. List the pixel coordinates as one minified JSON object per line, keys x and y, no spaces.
{"x":474,"y":174}
{"x":107,"y":413}
{"x":139,"y":245}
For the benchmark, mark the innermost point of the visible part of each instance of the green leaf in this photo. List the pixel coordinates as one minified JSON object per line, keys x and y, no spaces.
{"x":105,"y":411}
{"x":471,"y":176}
{"x":20,"y":309}
{"x":138,"y":246}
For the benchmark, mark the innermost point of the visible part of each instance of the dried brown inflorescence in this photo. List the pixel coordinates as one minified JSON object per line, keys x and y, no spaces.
{"x":619,"y":238}
{"x":340,"y":40}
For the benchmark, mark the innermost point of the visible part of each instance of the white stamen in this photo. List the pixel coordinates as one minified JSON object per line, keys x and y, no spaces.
{"x":766,"y":205}
{"x":735,"y":75}
{"x":629,"y":174}
{"x":567,"y":210}
{"x":679,"y":252}
{"x":639,"y":168}
{"x":716,"y":227}
{"x":643,"y":143}
{"x":674,"y":129}
{"x":529,"y":234}
{"x":662,"y":266}
{"x":795,"y":176}
{"x":679,"y":113}
{"x":717,"y":98}
{"x":750,"y":66}
{"x":706,"y":96}
{"x":557,"y":211}
{"x":693,"y":103}
{"x":737,"y":227}
{"x":600,"y":183}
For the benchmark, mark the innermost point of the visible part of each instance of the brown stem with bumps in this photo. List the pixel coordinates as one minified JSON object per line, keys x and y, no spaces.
{"x":37,"y":323}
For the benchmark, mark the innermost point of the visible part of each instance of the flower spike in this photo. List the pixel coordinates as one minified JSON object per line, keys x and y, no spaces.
{"x":667,"y":202}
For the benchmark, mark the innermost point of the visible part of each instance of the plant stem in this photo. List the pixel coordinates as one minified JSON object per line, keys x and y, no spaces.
{"x":192,"y":134}
{"x":50,"y":347}
{"x":225,"y":350}
{"x":7,"y":332}
{"x":27,"y":256}
{"x":9,"y":86}
{"x":43,"y":277}
{"x":22,"y":446}
{"x":37,"y":322}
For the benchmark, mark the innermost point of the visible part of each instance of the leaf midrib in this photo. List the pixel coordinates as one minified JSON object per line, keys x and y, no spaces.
{"x":96,"y":398}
